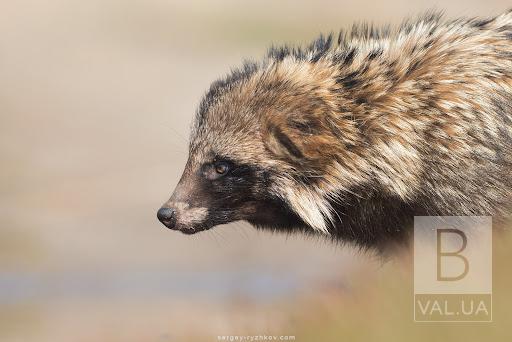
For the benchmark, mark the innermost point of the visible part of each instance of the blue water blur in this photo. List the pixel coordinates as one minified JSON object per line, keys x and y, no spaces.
{"x":16,"y":287}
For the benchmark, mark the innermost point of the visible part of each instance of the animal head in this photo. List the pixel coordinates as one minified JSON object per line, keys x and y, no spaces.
{"x":264,"y":147}
{"x":277,"y":143}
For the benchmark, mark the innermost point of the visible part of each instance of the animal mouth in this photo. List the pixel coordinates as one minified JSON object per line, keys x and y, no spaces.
{"x":193,"y":230}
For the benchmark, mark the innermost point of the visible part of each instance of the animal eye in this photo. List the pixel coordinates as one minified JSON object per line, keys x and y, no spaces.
{"x":217,"y":168}
{"x":221,"y":168}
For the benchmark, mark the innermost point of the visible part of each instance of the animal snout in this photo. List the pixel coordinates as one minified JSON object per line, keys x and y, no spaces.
{"x":167,"y":216}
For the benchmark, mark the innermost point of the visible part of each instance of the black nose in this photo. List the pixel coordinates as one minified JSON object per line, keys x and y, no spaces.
{"x":167,"y":216}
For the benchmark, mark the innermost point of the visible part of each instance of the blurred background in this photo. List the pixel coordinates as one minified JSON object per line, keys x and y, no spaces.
{"x":96,"y":100}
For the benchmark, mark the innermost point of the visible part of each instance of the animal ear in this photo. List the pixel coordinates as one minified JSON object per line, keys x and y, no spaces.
{"x":298,"y":139}
{"x":283,"y":143}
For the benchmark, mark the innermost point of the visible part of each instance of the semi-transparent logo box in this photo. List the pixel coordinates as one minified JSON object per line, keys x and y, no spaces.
{"x":452,"y":269}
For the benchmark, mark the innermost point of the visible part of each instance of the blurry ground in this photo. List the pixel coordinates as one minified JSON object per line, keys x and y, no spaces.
{"x":96,"y":98}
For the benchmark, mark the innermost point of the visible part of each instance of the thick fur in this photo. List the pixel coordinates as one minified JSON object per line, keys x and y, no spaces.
{"x":354,"y":136}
